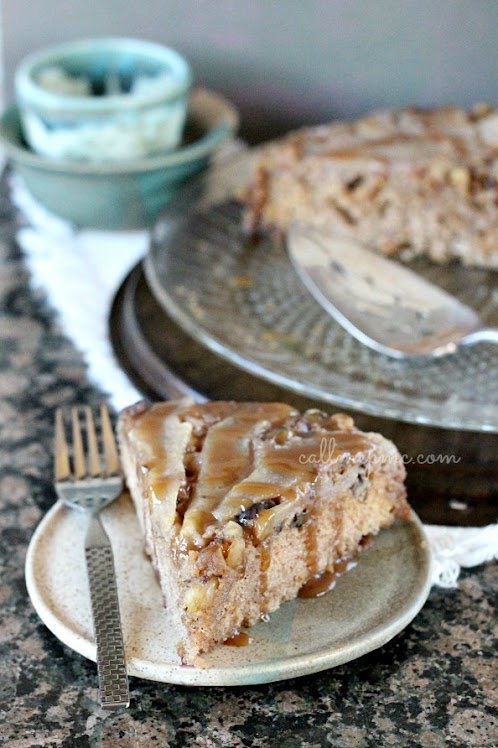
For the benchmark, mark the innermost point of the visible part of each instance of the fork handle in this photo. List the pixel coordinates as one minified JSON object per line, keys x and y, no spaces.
{"x":111,"y":663}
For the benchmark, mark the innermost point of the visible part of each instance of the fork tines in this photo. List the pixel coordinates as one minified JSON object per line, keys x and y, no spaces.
{"x":85,"y":446}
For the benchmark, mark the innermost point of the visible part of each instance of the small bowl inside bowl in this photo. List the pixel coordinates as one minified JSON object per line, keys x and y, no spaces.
{"x":126,"y":194}
{"x":103,"y":99}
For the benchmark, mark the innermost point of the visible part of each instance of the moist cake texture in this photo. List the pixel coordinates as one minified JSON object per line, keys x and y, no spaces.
{"x":406,"y":181}
{"x":241,"y":504}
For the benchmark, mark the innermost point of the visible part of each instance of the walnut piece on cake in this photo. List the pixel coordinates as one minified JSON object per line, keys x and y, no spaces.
{"x":241,"y":504}
{"x":406,"y":181}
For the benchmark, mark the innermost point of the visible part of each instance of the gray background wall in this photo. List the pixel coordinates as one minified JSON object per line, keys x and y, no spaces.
{"x":292,"y":62}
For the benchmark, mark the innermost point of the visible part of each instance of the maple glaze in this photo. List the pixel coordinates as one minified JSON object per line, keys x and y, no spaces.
{"x":240,"y":639}
{"x":238,"y":465}
{"x":318,"y":585}
{"x":323,"y":582}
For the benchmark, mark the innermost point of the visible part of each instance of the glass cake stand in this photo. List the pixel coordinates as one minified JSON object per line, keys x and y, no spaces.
{"x":239,"y":296}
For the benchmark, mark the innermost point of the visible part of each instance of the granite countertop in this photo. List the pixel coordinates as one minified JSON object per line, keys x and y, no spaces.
{"x":434,"y":685}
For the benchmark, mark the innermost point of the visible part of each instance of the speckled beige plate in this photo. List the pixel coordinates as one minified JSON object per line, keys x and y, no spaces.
{"x":369,"y":605}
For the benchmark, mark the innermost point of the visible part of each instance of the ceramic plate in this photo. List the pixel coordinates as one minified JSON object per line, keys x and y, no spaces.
{"x":240,"y":297}
{"x":369,"y":605}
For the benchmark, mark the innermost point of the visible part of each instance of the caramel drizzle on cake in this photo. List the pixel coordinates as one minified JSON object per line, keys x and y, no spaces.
{"x":241,"y":458}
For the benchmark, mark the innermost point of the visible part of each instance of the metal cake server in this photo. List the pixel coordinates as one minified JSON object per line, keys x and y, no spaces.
{"x":380,"y":302}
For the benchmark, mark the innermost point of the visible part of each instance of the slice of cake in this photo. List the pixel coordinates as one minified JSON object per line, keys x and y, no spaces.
{"x":241,"y":504}
{"x":406,"y":181}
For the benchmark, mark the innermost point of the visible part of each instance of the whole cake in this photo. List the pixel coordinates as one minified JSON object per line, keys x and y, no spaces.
{"x":406,"y":181}
{"x":241,"y":504}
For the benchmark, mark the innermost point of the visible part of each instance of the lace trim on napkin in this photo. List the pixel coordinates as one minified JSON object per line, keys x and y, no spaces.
{"x":456,"y":547}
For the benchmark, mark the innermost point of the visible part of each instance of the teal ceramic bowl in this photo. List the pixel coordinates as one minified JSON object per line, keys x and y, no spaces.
{"x":103,"y":99}
{"x":126,"y":194}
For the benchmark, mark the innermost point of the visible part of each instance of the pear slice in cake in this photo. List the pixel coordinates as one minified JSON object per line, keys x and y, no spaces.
{"x":242,"y":504}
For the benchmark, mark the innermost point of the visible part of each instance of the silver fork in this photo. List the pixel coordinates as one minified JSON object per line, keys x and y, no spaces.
{"x":89,"y":479}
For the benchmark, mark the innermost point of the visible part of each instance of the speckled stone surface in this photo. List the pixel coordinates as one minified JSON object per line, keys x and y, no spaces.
{"x":435,"y":685}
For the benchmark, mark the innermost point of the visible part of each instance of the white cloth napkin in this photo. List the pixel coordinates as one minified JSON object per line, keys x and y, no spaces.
{"x":80,"y":271}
